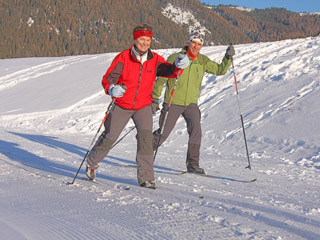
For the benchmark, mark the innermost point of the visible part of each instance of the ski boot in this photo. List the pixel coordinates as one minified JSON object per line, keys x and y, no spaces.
{"x":91,"y":173}
{"x":195,"y":169}
{"x":149,"y":184}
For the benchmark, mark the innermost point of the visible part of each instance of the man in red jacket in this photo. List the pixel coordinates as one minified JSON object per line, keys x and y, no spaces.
{"x":135,"y":68}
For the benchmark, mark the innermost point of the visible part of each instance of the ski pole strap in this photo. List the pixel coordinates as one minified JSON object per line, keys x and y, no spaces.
{"x":110,"y":107}
{"x":175,"y":83}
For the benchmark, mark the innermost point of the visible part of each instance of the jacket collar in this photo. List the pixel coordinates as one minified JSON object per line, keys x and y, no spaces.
{"x":185,"y":50}
{"x":134,"y":56}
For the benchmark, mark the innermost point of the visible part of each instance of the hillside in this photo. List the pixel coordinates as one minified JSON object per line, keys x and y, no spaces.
{"x":50,"y":109}
{"x":64,"y":27}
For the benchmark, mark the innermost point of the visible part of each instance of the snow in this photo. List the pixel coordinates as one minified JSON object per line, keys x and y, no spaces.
{"x":51,"y":109}
{"x":312,"y":13}
{"x":244,"y":9}
{"x":30,"y":22}
{"x":182,"y":17}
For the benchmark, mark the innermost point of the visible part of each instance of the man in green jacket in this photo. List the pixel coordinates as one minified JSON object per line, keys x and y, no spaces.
{"x":186,"y":95}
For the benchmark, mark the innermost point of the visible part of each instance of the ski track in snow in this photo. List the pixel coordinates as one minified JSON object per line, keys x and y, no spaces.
{"x":10,"y":80}
{"x":40,"y":151}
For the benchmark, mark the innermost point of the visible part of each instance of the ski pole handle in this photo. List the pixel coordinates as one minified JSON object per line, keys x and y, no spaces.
{"x":111,"y":105}
{"x":230,"y":44}
{"x":123,"y":86}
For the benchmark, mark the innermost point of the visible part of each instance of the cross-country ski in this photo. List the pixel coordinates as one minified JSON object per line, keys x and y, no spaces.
{"x":221,"y":178}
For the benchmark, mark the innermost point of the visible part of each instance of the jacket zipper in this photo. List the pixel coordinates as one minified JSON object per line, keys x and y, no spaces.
{"x":187,"y":90}
{"x":135,"y":97}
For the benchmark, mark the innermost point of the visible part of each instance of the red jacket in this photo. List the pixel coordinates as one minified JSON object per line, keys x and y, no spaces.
{"x":137,"y":77}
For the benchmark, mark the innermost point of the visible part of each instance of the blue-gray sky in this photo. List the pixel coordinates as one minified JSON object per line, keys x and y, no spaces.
{"x":291,"y":5}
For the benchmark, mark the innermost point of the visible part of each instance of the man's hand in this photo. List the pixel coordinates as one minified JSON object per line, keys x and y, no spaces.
{"x":230,"y":52}
{"x":155,"y":105}
{"x":182,"y":61}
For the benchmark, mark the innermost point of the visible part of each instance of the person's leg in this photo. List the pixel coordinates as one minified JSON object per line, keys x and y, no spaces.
{"x":192,"y":115}
{"x":143,"y":122}
{"x":114,"y":124}
{"x":174,"y":113}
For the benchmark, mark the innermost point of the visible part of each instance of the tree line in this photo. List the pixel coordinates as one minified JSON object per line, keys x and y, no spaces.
{"x":37,"y":28}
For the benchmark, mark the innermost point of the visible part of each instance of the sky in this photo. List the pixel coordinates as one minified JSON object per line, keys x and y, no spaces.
{"x":291,"y":5}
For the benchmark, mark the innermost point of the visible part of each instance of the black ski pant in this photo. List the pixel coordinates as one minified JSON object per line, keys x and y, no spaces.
{"x":192,"y":116}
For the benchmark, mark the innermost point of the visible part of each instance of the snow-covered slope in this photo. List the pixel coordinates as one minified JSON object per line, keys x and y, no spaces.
{"x":51,"y":109}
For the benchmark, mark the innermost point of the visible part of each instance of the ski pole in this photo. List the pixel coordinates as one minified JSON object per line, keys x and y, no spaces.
{"x":132,"y":128}
{"x":110,"y":108}
{"x":166,"y":116}
{"x":122,"y":137}
{"x":238,"y":100}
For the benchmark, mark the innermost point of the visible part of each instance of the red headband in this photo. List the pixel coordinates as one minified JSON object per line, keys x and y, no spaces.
{"x":141,"y":33}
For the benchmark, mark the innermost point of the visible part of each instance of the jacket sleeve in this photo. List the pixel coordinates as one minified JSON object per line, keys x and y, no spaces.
{"x":167,"y":68}
{"x":158,"y":85}
{"x":217,"y":69}
{"x":113,"y":73}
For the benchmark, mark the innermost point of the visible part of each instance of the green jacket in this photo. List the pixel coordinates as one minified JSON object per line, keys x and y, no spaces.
{"x":188,"y":87}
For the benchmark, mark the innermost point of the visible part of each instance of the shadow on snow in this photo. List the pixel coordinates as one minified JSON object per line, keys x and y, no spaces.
{"x":14,"y":152}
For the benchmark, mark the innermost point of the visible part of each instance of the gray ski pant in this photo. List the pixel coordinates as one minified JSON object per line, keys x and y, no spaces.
{"x":192,"y":116}
{"x":114,"y":124}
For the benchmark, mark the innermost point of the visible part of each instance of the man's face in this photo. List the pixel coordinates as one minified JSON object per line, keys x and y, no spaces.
{"x":143,"y":43}
{"x":194,"y":47}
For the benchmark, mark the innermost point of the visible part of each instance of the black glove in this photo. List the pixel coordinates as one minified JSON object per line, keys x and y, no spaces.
{"x":155,"y":105}
{"x":230,"y":52}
